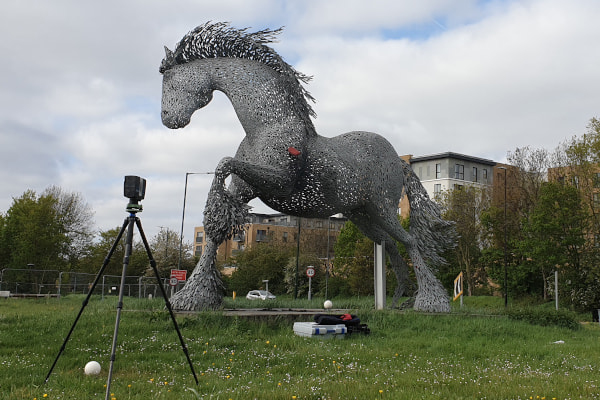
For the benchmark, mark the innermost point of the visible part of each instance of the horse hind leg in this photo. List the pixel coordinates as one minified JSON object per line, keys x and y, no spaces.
{"x":431,"y":294}
{"x":398,"y":265}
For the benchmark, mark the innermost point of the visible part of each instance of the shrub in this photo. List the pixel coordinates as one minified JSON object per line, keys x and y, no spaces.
{"x":539,"y":316}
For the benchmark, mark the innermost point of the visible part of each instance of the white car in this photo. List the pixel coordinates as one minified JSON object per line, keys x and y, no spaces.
{"x":260,"y":295}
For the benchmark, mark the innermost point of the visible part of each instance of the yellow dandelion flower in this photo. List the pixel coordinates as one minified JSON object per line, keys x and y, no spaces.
{"x":45,"y":395}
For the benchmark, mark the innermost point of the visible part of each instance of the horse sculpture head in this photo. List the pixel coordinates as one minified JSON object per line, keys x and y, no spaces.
{"x":187,"y":85}
{"x":185,"y":90}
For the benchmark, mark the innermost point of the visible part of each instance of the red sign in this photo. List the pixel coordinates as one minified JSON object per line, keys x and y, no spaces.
{"x":310,"y":272}
{"x":180,"y":274}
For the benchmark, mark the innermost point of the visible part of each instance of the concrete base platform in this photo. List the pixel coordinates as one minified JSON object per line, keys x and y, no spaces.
{"x":266,"y":313}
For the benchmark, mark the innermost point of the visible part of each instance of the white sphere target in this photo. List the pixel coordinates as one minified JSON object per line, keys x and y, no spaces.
{"x":328,"y":304}
{"x":92,"y":368}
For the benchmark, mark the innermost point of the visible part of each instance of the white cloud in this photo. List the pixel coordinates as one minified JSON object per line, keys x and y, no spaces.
{"x":80,"y":105}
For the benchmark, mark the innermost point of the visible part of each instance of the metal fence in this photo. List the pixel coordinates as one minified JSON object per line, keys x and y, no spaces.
{"x":36,"y":282}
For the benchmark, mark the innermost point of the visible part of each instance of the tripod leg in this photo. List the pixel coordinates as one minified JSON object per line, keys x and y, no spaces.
{"x":164,"y":294}
{"x":128,"y":246}
{"x":85,"y":302}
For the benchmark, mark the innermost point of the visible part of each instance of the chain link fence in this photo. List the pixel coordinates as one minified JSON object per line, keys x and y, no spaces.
{"x":53,"y":283}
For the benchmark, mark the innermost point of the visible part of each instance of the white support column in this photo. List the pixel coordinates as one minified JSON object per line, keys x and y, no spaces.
{"x":380,"y":294}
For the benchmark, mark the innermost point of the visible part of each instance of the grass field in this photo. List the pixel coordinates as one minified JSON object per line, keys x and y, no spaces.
{"x":473,"y":353}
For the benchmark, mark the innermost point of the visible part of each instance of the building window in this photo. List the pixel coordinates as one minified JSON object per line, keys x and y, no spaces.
{"x":198,"y":251}
{"x":437,"y":189}
{"x":459,"y":171}
{"x":484,"y":175}
{"x":458,"y":187}
{"x":438,"y":171}
{"x":199,"y":237}
{"x":474,"y":174}
{"x":575,"y":181}
{"x":261,"y":235}
{"x":319,"y":224}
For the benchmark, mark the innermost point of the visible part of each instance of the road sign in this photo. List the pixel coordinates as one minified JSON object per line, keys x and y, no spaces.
{"x":458,"y":286}
{"x":180,"y":274}
{"x":310,"y":272}
{"x":173,"y":281}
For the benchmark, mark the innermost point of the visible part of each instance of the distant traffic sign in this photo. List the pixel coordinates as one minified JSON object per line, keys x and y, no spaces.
{"x":310,"y":272}
{"x":180,"y":274}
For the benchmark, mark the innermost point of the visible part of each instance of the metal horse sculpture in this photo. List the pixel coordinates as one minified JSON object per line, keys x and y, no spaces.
{"x":284,"y":162}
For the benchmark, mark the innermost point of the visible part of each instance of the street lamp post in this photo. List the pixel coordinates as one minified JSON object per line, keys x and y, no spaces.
{"x":505,"y":244}
{"x":183,"y":213}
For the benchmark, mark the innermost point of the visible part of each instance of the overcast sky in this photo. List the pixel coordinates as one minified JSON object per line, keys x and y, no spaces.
{"x":80,"y":89}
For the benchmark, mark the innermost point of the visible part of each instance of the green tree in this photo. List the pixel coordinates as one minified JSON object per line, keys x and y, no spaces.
{"x":465,"y":206}
{"x":50,"y":231}
{"x":504,"y":221}
{"x":353,"y":261}
{"x":353,"y":266}
{"x":263,"y":261}
{"x":579,"y":167}
{"x":555,"y":235}
{"x":295,"y":274}
{"x":166,"y":251}
{"x":138,"y":261}
{"x":75,"y":219}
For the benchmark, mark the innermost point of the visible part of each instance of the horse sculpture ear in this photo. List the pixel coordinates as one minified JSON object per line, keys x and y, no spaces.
{"x":167,"y":62}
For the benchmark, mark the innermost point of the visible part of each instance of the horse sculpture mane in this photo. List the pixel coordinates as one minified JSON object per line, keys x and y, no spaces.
{"x":214,"y":40}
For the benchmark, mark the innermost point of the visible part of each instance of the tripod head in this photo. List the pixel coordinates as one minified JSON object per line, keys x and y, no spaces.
{"x":134,"y":188}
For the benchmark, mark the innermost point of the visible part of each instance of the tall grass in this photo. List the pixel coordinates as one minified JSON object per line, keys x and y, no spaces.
{"x":407,"y":356}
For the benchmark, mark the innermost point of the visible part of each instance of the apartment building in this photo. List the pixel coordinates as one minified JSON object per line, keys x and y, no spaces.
{"x":446,"y":171}
{"x":278,"y":228}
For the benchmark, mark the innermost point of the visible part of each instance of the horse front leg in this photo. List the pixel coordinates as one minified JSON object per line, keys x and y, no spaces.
{"x":224,"y":215}
{"x":266,"y":179}
{"x":204,"y":287}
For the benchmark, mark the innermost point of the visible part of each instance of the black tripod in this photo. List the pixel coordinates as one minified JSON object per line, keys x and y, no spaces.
{"x":133,"y":208}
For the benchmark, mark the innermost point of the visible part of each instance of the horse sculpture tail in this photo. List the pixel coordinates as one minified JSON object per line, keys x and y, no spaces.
{"x":434,"y":234}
